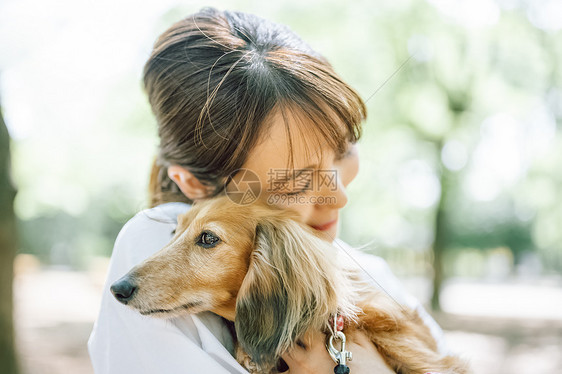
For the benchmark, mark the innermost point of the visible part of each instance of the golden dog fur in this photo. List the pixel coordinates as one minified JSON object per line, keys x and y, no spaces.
{"x":276,"y":279}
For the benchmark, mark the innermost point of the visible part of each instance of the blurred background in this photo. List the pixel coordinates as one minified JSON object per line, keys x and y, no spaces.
{"x":460,"y":185}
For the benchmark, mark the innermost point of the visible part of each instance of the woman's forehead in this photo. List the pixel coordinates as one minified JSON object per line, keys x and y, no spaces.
{"x":276,"y":147}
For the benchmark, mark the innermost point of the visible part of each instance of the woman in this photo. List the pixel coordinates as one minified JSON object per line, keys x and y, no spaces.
{"x":234,"y":93}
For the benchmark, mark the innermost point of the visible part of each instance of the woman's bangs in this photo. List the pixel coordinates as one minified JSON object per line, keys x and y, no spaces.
{"x":318,"y":128}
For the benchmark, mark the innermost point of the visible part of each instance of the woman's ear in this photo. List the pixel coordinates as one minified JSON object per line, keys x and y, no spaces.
{"x":187,"y":182}
{"x":290,"y":287}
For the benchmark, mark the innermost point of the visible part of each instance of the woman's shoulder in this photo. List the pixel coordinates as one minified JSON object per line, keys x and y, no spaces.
{"x":376,"y":271}
{"x":164,"y":215}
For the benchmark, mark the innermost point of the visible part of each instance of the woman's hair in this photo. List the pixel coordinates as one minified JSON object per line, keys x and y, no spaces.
{"x":215,"y":78}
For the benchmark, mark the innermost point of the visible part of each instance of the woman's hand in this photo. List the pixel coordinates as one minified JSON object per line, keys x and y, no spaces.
{"x":315,"y":359}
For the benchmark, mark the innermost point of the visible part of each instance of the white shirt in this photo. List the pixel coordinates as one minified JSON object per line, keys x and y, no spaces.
{"x":123,"y":341}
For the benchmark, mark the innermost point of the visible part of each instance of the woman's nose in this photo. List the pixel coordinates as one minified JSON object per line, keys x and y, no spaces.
{"x":332,"y":190}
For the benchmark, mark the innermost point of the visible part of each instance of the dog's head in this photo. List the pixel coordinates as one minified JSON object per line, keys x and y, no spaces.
{"x":252,"y":263}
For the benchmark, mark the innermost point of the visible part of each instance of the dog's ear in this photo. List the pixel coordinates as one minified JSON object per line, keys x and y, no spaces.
{"x":291,"y":286}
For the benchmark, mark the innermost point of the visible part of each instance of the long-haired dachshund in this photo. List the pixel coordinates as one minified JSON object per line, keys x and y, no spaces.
{"x":275,"y":278}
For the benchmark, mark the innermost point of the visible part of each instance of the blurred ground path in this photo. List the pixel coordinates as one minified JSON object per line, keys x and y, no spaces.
{"x":513,"y":326}
{"x":54,"y":311}
{"x":503,"y":328}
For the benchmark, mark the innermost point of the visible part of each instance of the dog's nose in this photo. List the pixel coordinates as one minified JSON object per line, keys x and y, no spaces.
{"x":123,"y":289}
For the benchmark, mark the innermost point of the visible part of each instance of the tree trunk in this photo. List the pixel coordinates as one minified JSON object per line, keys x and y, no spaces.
{"x":8,"y":361}
{"x":440,"y":242}
{"x":438,"y":250}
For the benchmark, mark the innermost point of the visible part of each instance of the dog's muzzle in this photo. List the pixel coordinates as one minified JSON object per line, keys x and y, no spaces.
{"x":124,"y":289}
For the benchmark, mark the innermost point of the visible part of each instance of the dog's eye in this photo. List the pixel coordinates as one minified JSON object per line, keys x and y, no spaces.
{"x":207,"y":239}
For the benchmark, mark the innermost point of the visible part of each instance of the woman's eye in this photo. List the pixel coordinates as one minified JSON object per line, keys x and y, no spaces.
{"x":302,"y":190}
{"x":207,"y":239}
{"x":295,"y":193}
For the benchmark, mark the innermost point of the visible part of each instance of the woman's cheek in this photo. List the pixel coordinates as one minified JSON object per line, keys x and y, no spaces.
{"x":301,"y":205}
{"x":304,"y":210}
